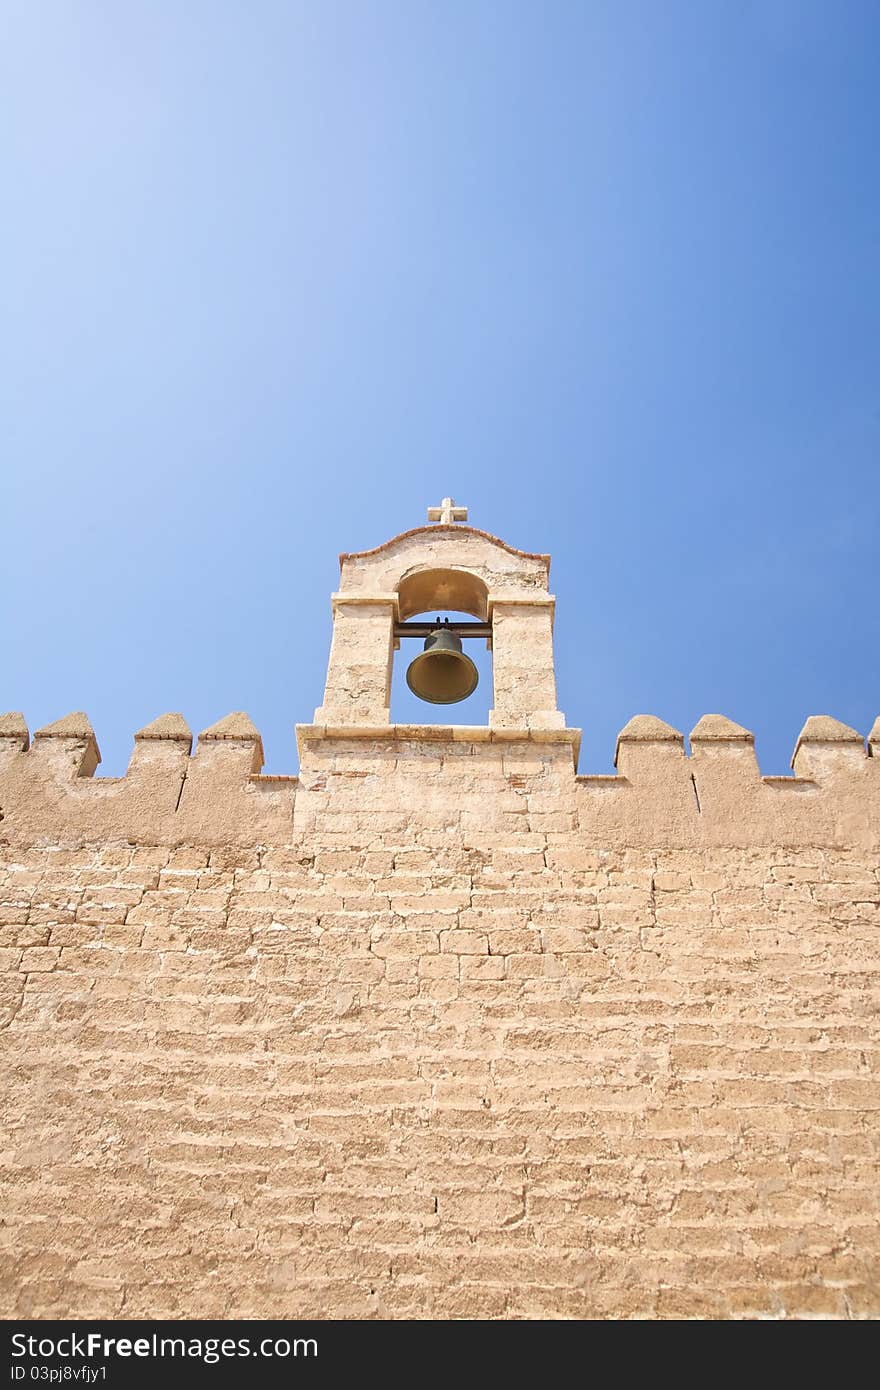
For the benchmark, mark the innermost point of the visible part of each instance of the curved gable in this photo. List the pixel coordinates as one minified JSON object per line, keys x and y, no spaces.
{"x":500,"y":567}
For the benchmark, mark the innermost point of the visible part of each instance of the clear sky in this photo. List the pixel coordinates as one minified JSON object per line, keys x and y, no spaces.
{"x":278,"y":276}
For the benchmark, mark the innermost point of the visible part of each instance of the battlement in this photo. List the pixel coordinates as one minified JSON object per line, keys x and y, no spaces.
{"x":478,"y":781}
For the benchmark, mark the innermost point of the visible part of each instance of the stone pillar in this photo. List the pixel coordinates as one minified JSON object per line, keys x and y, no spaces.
{"x":522,"y":663}
{"x":358,"y":689}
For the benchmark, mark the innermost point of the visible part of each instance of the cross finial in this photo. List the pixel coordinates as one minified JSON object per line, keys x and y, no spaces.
{"x":447,"y":512}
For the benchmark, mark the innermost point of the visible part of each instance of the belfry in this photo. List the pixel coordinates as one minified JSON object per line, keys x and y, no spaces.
{"x":446,"y":565}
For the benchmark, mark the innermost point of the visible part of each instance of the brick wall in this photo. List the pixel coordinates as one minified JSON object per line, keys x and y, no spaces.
{"x":439,"y":1030}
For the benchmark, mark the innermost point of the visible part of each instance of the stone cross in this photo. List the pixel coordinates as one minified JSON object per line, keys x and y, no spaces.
{"x":447,"y":512}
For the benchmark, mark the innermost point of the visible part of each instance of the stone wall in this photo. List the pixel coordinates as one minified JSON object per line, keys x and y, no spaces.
{"x":439,"y":1029}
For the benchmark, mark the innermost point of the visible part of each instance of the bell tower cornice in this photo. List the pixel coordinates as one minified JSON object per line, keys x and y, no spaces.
{"x":543,"y":560}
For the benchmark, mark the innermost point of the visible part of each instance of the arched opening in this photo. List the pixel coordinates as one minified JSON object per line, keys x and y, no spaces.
{"x":459,"y":596}
{"x":444,"y":591}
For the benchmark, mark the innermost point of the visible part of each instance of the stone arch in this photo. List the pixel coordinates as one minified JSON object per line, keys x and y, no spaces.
{"x":425,"y":587}
{"x":505,"y":571}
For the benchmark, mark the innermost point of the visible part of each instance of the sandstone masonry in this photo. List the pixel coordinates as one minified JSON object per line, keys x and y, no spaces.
{"x":439,"y":1028}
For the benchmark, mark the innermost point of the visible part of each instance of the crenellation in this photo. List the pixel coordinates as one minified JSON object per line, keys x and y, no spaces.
{"x":67,"y":748}
{"x":14,"y":735}
{"x":827,"y":750}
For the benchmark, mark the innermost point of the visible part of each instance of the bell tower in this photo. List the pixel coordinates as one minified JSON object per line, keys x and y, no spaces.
{"x":444,"y":566}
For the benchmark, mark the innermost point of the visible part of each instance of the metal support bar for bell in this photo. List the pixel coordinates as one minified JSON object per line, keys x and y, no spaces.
{"x":426,"y":629}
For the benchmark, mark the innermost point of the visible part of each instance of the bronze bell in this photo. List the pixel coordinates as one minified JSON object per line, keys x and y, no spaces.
{"x":442,"y":674}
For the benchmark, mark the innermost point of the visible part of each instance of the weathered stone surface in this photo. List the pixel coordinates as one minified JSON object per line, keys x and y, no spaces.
{"x":13,"y":726}
{"x":715,"y":728}
{"x":821,"y":728}
{"x":76,"y":725}
{"x":235,"y":728}
{"x":647,"y":728}
{"x":169,"y":726}
{"x":237,"y":725}
{"x":75,"y":728}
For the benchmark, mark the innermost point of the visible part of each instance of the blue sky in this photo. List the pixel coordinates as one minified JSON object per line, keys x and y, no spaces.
{"x":278,"y":276}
